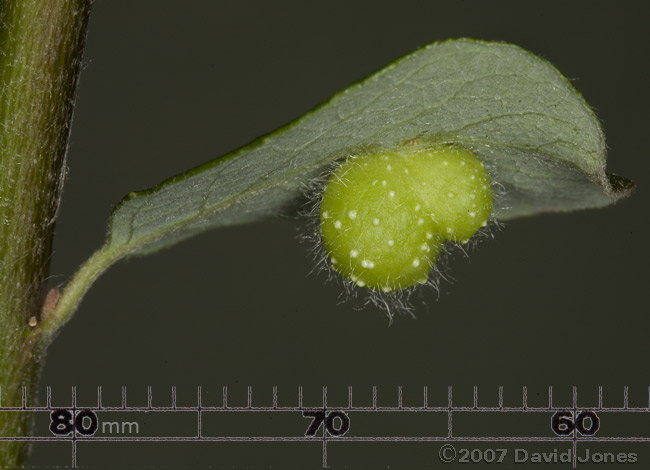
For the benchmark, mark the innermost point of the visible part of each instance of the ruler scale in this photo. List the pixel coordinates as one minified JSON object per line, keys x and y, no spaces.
{"x":326,"y":413}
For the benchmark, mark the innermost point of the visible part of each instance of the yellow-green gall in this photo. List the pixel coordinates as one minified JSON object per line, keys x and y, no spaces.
{"x":385,"y":216}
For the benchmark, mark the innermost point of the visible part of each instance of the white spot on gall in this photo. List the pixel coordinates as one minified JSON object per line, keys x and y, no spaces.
{"x":352,"y":214}
{"x":472,"y":214}
{"x":420,"y":221}
{"x":416,"y":263}
{"x":325,"y":215}
{"x":337,"y":224}
{"x":361,"y":283}
{"x":375,"y":221}
{"x":391,"y":242}
{"x":391,"y":193}
{"x":354,"y":253}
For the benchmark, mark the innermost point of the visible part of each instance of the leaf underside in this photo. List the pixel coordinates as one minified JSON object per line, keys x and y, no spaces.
{"x":537,"y":136}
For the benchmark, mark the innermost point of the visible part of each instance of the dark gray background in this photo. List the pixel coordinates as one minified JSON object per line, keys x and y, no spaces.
{"x":168,"y":84}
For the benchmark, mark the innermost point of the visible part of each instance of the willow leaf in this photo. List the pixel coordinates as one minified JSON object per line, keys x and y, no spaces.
{"x":514,"y":110}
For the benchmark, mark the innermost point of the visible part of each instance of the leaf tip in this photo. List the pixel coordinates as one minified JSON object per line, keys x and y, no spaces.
{"x":620,"y":186}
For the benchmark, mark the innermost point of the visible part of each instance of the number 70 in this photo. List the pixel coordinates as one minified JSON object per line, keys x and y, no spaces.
{"x":330,"y":419}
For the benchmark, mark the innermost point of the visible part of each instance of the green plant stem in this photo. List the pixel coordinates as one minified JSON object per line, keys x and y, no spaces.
{"x":41,"y":45}
{"x":94,"y":266}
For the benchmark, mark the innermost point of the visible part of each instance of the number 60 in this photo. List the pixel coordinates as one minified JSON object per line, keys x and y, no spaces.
{"x":563,"y":423}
